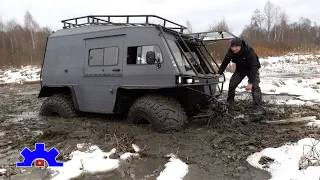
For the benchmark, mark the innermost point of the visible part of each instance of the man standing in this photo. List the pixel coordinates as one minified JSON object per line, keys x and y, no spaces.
{"x":247,"y":64}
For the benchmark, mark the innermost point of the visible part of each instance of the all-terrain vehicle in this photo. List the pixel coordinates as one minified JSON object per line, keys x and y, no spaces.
{"x":150,"y":72}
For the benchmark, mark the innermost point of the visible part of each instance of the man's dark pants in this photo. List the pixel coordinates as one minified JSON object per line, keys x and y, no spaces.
{"x":236,"y":79}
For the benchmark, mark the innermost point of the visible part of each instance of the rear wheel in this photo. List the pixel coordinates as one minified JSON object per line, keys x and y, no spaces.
{"x":164,"y":113}
{"x":58,"y":104}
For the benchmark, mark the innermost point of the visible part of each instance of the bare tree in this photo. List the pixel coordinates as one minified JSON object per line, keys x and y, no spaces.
{"x":189,"y":26}
{"x":32,"y":26}
{"x":1,"y":25}
{"x":276,"y":16}
{"x":269,"y":15}
{"x":283,"y":25}
{"x":2,"y":43}
{"x":2,"y":34}
{"x":219,"y":26}
{"x":257,"y":19}
{"x":256,"y":22}
{"x":10,"y":27}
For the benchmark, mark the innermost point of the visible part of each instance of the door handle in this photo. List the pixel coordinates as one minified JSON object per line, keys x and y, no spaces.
{"x":115,"y":69}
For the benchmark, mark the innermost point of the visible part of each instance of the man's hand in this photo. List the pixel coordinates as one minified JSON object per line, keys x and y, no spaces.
{"x":216,"y":75}
{"x":249,"y":87}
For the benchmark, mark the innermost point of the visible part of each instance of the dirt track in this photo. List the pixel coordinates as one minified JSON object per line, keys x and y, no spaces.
{"x":217,"y":151}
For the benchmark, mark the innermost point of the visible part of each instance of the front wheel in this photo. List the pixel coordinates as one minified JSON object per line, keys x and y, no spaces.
{"x":164,"y":113}
{"x":60,"y":104}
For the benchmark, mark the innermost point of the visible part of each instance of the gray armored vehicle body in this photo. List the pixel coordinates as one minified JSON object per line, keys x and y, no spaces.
{"x":149,"y":72}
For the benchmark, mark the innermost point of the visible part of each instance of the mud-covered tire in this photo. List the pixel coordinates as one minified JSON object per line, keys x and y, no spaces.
{"x":165,"y":114}
{"x":60,"y":104}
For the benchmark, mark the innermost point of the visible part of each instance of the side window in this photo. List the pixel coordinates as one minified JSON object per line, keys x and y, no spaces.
{"x":96,"y":57}
{"x":137,"y":54}
{"x":111,"y":56}
{"x":103,"y":56}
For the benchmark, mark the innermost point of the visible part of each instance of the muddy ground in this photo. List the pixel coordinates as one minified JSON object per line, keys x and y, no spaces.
{"x":216,"y":150}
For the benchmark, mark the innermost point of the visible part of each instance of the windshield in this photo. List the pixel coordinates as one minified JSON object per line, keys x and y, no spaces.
{"x":183,"y":64}
{"x":180,"y":53}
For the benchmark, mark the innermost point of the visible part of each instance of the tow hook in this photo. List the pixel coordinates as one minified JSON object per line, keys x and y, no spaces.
{"x":221,"y":106}
{"x":218,"y":105}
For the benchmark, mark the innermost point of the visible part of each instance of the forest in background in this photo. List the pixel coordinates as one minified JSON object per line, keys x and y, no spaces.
{"x":22,"y":44}
{"x":270,"y":33}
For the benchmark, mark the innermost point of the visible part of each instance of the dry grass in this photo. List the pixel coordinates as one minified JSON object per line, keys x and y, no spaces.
{"x":265,"y":51}
{"x":311,"y":157}
{"x":265,"y":63}
{"x":123,"y":143}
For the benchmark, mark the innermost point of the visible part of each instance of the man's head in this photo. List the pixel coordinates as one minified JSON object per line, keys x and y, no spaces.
{"x":236,"y":45}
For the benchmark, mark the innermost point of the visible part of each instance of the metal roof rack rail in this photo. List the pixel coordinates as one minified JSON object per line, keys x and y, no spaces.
{"x":213,"y":35}
{"x":106,"y":20}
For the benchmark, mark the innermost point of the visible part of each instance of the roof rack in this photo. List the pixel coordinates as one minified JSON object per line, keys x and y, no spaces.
{"x":106,"y":20}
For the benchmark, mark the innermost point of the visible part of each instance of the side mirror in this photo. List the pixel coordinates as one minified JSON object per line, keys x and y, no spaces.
{"x":151,"y":57}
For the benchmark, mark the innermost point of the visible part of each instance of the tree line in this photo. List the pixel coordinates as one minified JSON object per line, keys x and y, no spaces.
{"x":22,"y":44}
{"x":270,"y":29}
{"x":269,"y":32}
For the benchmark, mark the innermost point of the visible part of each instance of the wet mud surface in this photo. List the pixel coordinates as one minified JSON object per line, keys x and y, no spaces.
{"x":213,"y":150}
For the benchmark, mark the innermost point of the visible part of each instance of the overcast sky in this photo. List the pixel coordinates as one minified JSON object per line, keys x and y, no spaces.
{"x":200,"y":13}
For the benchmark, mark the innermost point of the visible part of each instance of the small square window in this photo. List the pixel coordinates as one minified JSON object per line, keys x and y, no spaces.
{"x":111,"y":56}
{"x":96,"y":57}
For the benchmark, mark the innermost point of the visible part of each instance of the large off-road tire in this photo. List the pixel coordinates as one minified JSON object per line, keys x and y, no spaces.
{"x":165,"y":114}
{"x":60,"y":104}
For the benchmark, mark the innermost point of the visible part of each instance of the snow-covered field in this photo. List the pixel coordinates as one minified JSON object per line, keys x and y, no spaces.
{"x":291,"y":63}
{"x":21,"y":75}
{"x":291,"y":74}
{"x":306,"y":87}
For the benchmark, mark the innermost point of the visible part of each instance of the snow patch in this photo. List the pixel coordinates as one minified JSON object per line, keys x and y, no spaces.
{"x":135,"y":148}
{"x":294,"y":102}
{"x":290,"y":57}
{"x":287,"y":159}
{"x":175,"y":169}
{"x":128,"y":155}
{"x":291,"y":63}
{"x":24,"y":74}
{"x":2,"y":134}
{"x":91,"y":161}
{"x":314,"y":124}
{"x":3,"y":171}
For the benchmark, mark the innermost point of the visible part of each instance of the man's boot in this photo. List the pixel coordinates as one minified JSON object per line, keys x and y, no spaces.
{"x":235,"y":80}
{"x":230,"y":100}
{"x":256,"y":96}
{"x":256,"y":92}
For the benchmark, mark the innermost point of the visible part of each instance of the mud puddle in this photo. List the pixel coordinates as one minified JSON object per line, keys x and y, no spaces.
{"x":215,"y":150}
{"x":142,"y":169}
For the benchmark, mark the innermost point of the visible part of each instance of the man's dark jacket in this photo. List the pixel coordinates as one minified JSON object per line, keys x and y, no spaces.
{"x":247,"y":62}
